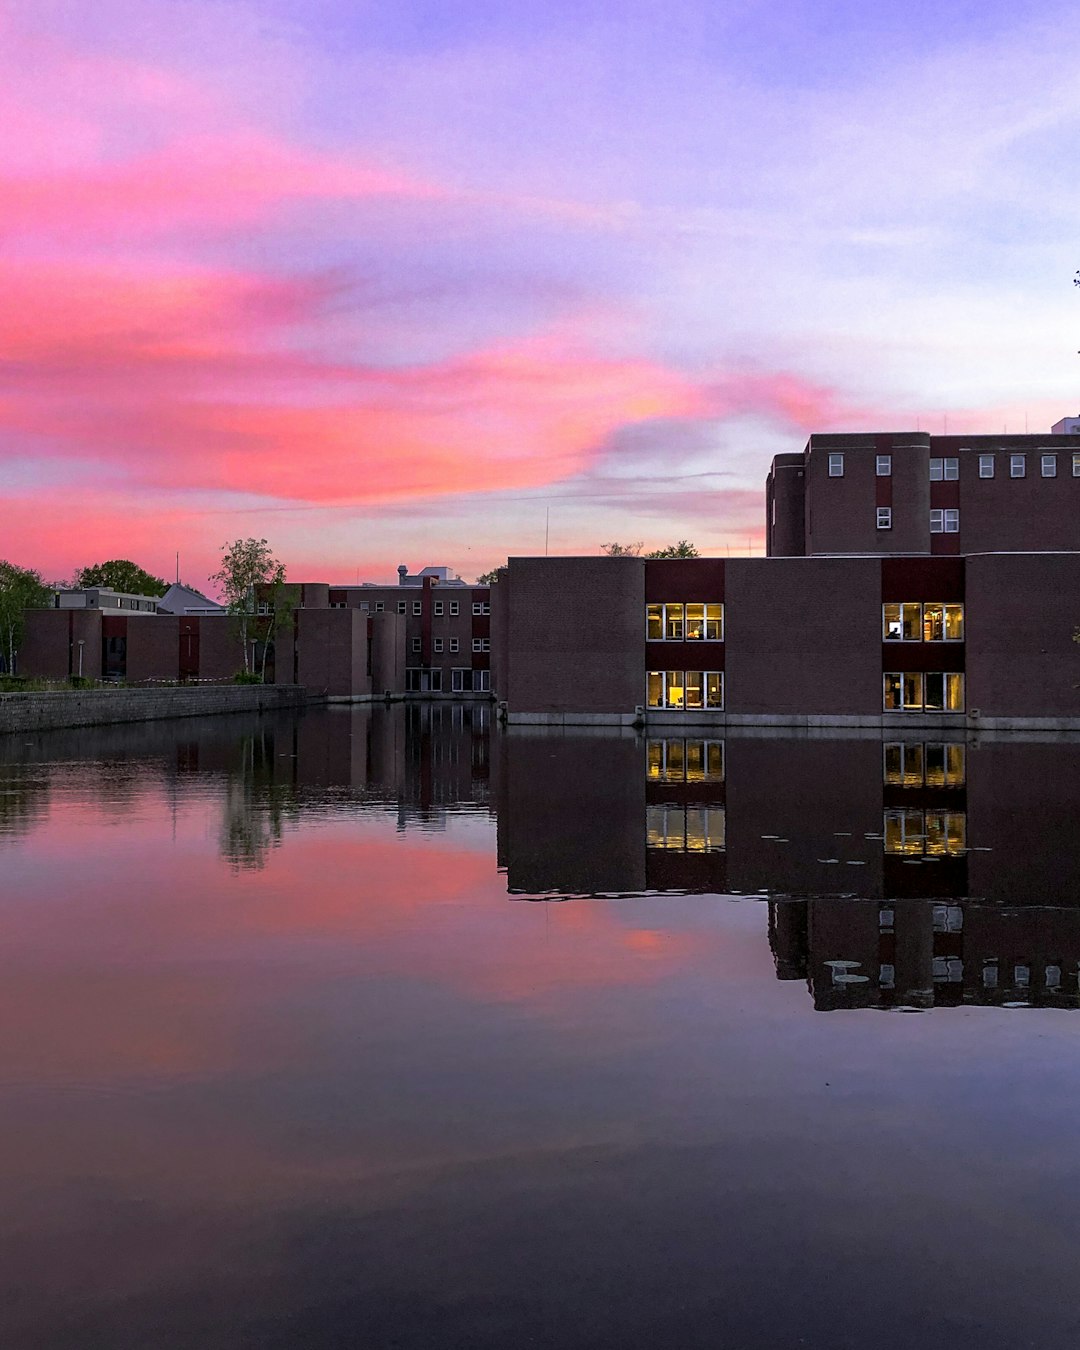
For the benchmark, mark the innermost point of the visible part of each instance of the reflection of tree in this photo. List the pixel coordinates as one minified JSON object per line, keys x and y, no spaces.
{"x":256,"y":805}
{"x":24,"y":799}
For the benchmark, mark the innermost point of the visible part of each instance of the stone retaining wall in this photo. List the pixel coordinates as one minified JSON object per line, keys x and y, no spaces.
{"x":98,"y":707}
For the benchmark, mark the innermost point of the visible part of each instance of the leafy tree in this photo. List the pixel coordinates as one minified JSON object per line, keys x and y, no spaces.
{"x":622,"y":550}
{"x":283,"y":600}
{"x":683,"y":549}
{"x":20,"y":589}
{"x":488,"y":578}
{"x":121,"y":574}
{"x":246,"y":566}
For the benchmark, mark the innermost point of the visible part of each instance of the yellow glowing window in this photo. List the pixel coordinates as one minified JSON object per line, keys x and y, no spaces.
{"x":674,"y":689}
{"x":654,"y":622}
{"x":695,"y":623}
{"x":943,"y":623}
{"x":901,"y":622}
{"x":673,"y":623}
{"x":714,"y":623}
{"x":695,"y":689}
{"x":946,"y":832}
{"x":655,"y":688}
{"x":945,"y":765}
{"x":904,"y":832}
{"x":904,"y":765}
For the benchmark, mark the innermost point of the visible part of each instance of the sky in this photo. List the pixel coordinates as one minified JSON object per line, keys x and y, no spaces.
{"x":444,"y":281}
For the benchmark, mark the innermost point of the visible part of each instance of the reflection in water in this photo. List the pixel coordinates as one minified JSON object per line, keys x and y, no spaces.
{"x":281,"y":1064}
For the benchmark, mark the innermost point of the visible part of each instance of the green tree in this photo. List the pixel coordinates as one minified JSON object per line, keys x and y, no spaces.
{"x":622,"y":550}
{"x":683,"y":549}
{"x":20,"y":589}
{"x":121,"y":574}
{"x":247,"y":565}
{"x":488,"y":578}
{"x":283,"y":601}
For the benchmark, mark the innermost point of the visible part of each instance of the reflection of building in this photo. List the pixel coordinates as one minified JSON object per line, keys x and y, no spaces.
{"x":925,"y":953}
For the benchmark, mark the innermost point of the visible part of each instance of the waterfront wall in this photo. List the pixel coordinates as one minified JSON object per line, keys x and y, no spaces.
{"x":100,"y":707}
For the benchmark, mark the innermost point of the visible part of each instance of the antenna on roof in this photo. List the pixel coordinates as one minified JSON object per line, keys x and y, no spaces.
{"x":178,"y":567}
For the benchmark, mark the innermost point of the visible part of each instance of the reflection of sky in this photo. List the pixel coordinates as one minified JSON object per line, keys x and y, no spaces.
{"x":359,"y":1087}
{"x":319,"y":272}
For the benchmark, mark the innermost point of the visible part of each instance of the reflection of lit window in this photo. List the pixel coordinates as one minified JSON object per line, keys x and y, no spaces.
{"x":912,"y":691}
{"x":904,"y":765}
{"x":685,"y":829}
{"x":674,"y":760}
{"x":702,"y":622}
{"x":930,"y":833}
{"x":682,"y":689}
{"x":945,"y":765}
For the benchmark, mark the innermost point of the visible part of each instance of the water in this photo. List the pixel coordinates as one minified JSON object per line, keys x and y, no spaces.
{"x":321,"y":1032}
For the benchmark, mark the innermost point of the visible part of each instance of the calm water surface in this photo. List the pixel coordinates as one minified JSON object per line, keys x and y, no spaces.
{"x":374,"y":1029}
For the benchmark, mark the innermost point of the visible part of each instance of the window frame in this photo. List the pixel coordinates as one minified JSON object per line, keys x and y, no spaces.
{"x":706,"y":680}
{"x":454,"y":608}
{"x":836,"y":464}
{"x":1048,"y":460}
{"x":987,"y":466}
{"x":920,"y":679}
{"x":883,"y":466}
{"x":1018,"y":465}
{"x":712,"y":620}
{"x":884,"y":517}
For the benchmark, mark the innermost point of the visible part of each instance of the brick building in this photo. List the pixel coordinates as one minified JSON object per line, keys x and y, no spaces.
{"x":912,"y":493}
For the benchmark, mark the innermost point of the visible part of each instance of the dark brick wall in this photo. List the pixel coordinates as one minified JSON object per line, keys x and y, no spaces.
{"x":1020,"y":615}
{"x":333,"y":651}
{"x":803,"y":636}
{"x":46,"y":646}
{"x":387,"y":653}
{"x":575,"y":635}
{"x":153,"y":647}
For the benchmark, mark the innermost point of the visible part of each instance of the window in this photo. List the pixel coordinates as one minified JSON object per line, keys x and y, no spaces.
{"x":379,"y":607}
{"x":948,"y":468}
{"x":883,"y":466}
{"x":901,"y":622}
{"x":685,"y":623}
{"x":364,"y":604}
{"x":913,"y":622}
{"x":481,"y":644}
{"x":679,"y":761}
{"x":682,"y":689}
{"x":460,"y":681}
{"x":454,"y":607}
{"x":913,"y":764}
{"x":926,"y":833}
{"x":482,"y":681}
{"x":418,"y":606}
{"x":1017,"y":466}
{"x":945,"y":521}
{"x":437,"y":607}
{"x":437,"y":644}
{"x":402,"y":606}
{"x":420,"y":680}
{"x":454,"y":644}
{"x":914,"y":691}
{"x":481,"y":607}
{"x":1048,"y":466}
{"x":1076,"y":466}
{"x":675,"y":828}
{"x":986,"y":466}
{"x":884,"y":517}
{"x":414,"y":644}
{"x":836,"y":466}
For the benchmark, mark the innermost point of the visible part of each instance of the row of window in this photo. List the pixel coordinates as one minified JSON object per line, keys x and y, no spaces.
{"x":913,"y":764}
{"x":946,"y":468}
{"x":451,"y":607}
{"x":915,"y":621}
{"x":945,"y":520}
{"x":478,"y":644}
{"x":903,"y":691}
{"x":684,"y":623}
{"x":923,"y":691}
{"x":683,"y":689}
{"x":422,"y":680}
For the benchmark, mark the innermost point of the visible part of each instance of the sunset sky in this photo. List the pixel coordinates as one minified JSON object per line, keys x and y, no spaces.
{"x":397,"y":282}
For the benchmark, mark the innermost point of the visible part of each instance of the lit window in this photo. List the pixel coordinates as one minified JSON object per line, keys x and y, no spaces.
{"x":454,"y":644}
{"x":1017,"y":466}
{"x":986,"y":466}
{"x":884,"y":517}
{"x":901,"y":622}
{"x":437,"y":607}
{"x":685,"y":623}
{"x":1048,"y":465}
{"x":679,"y":689}
{"x":943,"y":623}
{"x":414,"y":644}
{"x":437,"y":644}
{"x":402,"y":606}
{"x":454,"y":608}
{"x":883,"y":466}
{"x":911,"y":691}
{"x":836,"y":466}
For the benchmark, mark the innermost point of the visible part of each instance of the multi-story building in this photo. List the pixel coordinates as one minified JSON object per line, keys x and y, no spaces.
{"x":912,"y":493}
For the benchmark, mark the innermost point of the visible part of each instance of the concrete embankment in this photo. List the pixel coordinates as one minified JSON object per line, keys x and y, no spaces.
{"x":100,"y":707}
